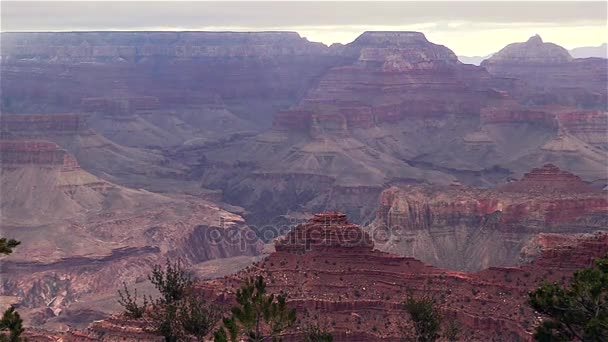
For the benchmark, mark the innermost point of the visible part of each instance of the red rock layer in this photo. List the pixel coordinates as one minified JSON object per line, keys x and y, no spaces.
{"x":469,"y":229}
{"x":505,"y":114}
{"x":396,"y":75}
{"x":35,"y":152}
{"x":328,"y":230}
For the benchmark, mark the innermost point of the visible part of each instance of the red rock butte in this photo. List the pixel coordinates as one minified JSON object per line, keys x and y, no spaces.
{"x":329,"y":230}
{"x":549,"y":178}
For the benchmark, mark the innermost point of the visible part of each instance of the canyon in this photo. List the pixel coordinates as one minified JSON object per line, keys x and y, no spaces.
{"x":84,"y":236}
{"x":332,"y":276}
{"x":119,"y":150}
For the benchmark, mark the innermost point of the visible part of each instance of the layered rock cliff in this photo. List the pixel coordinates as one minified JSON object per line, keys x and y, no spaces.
{"x":463,"y":228}
{"x":253,"y":74}
{"x":402,"y":109}
{"x":96,"y":153}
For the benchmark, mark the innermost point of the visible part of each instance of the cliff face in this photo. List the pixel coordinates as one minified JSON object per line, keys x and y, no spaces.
{"x":400,"y":109}
{"x":253,"y":74}
{"x":551,"y":74}
{"x":393,"y":77}
{"x":470,"y":229}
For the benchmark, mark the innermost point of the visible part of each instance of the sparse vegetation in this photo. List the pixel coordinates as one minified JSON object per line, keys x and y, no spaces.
{"x":427,"y":321}
{"x":178,"y":313}
{"x":130,"y":304}
{"x":575,"y":313}
{"x":7,"y":245}
{"x":259,"y":316}
{"x":314,"y":333}
{"x":425,"y":316}
{"x":12,"y":323}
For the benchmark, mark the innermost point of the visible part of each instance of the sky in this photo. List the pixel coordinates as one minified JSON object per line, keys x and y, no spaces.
{"x":470,"y":28}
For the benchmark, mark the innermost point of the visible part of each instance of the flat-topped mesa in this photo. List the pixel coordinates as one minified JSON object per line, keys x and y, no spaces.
{"x":549,"y":179}
{"x":390,"y":38}
{"x":329,"y":230}
{"x":401,"y":51}
{"x":533,"y":51}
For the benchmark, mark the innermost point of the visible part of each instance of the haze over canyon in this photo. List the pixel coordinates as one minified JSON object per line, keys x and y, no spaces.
{"x":230,"y":150}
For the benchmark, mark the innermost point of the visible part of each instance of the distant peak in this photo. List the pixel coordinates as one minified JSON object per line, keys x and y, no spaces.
{"x":534,"y":50}
{"x":536,"y":39}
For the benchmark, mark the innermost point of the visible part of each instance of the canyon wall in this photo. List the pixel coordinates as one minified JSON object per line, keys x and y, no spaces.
{"x":469,"y":229}
{"x":253,"y":73}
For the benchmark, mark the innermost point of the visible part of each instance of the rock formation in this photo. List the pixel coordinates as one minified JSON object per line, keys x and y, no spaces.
{"x":469,"y":229}
{"x":551,"y":74}
{"x":402,"y":109}
{"x":357,"y":292}
{"x":83,"y":236}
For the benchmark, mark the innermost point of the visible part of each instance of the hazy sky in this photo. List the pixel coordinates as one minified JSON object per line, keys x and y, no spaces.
{"x":468,"y":28}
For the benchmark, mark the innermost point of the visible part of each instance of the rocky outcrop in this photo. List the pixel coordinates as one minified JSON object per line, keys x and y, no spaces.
{"x":359,"y":291}
{"x":392,"y":78}
{"x":469,"y":229}
{"x":84,"y":236}
{"x":325,"y":231}
{"x":551,"y":75}
{"x":355,"y":288}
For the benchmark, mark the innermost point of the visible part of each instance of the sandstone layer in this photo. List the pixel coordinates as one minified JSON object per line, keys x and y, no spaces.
{"x":464,"y":228}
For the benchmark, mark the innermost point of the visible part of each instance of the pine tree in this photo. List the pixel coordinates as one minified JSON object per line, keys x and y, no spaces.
{"x":258,"y":316}
{"x":12,"y":323}
{"x":6,"y":246}
{"x":178,"y":313}
{"x":426,"y":317}
{"x":578,"y":312}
